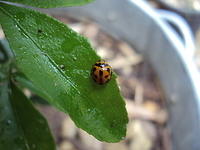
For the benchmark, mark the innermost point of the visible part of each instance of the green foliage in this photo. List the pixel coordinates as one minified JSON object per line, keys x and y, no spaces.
{"x":21,"y":125}
{"x":50,"y":3}
{"x":55,"y":63}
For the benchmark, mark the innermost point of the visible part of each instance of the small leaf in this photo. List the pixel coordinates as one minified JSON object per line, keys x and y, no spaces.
{"x":51,"y":3}
{"x":5,"y":51}
{"x":41,"y":46}
{"x":21,"y":125}
{"x":26,"y":83}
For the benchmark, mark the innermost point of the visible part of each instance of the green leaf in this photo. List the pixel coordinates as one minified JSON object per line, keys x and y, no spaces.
{"x":58,"y":62}
{"x":51,"y":3}
{"x":5,"y":51}
{"x":21,"y":125}
{"x":26,"y":83}
{"x":4,"y":45}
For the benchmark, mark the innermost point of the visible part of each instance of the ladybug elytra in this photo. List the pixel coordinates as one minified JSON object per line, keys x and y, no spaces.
{"x":101,"y":72}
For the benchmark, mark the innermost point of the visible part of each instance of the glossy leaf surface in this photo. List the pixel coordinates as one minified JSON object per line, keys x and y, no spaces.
{"x":50,"y":3}
{"x":58,"y":62}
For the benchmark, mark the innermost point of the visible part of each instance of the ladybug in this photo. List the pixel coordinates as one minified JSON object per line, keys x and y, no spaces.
{"x":101,"y":72}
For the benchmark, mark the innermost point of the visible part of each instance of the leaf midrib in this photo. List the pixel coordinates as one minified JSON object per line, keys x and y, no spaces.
{"x":45,"y":55}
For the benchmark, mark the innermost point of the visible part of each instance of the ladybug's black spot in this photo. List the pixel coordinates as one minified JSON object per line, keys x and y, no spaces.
{"x":100,"y":73}
{"x":98,"y":64}
{"x":100,"y":81}
{"x":108,"y":69}
{"x":95,"y":76}
{"x":106,"y":76}
{"x":39,"y":31}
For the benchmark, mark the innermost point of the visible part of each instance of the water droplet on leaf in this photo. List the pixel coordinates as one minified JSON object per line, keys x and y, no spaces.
{"x":62,"y":66}
{"x":9,"y":122}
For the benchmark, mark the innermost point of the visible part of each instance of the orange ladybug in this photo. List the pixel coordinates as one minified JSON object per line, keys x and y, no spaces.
{"x":101,"y":72}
